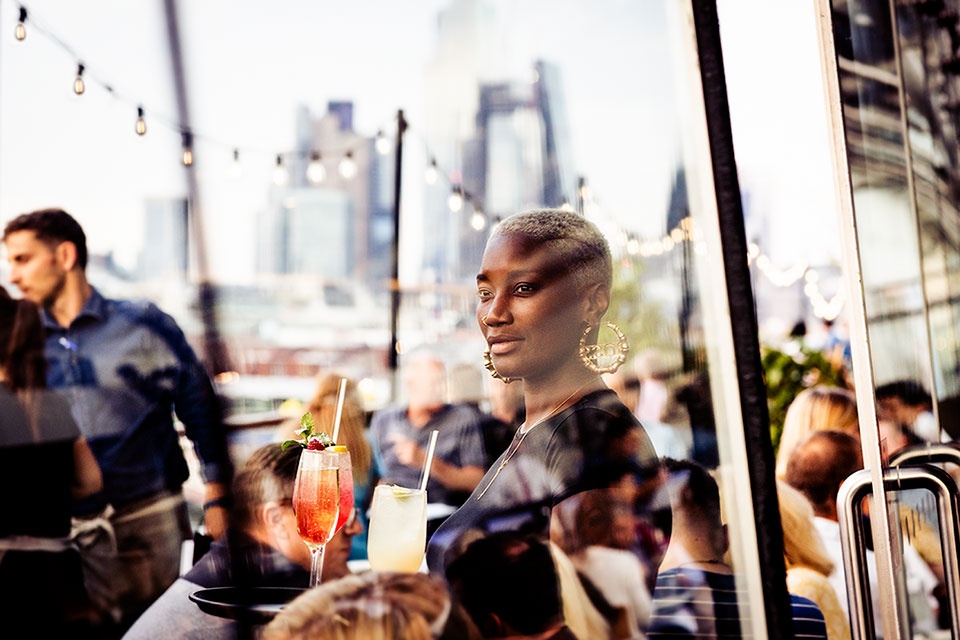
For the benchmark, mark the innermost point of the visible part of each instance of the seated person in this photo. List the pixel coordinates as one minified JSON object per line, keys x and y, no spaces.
{"x":261,"y":549}
{"x":605,"y":530}
{"x":381,"y":606}
{"x":401,"y":436}
{"x":696,"y":593}
{"x":494,"y":579}
{"x":817,"y":468}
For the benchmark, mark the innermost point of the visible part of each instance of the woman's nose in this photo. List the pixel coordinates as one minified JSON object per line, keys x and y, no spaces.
{"x":497,"y":313}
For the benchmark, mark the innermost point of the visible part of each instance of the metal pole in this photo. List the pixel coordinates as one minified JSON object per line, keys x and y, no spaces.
{"x":887,"y":553}
{"x":393,"y":354}
{"x":214,"y":352}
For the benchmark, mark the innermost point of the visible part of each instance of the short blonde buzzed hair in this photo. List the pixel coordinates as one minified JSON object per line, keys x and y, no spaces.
{"x":584,"y":251}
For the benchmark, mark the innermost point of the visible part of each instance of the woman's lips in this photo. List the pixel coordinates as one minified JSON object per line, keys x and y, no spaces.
{"x":504,"y":346}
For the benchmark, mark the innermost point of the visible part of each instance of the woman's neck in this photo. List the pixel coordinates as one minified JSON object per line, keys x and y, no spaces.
{"x":543,"y":396}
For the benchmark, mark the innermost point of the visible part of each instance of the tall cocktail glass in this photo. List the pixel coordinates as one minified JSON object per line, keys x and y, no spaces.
{"x":346,"y":485}
{"x":398,"y":528}
{"x":317,"y":504}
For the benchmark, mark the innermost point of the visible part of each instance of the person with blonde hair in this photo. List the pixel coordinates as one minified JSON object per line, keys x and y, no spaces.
{"x":818,"y":408}
{"x":371,"y":606}
{"x":807,"y":561}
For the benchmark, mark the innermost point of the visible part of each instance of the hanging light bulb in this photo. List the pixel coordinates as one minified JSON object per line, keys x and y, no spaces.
{"x":382,"y":143}
{"x":141,"y":123}
{"x":187,"y":148}
{"x":237,"y":167}
{"x":455,"y":201}
{"x":431,"y":174}
{"x":348,"y":167}
{"x":78,"y":85}
{"x":316,"y":172}
{"x":280,"y":174}
{"x":21,"y":31}
{"x":566,"y":206}
{"x":478,"y":221}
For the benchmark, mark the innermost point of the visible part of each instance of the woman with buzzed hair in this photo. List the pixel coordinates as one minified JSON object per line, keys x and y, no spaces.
{"x":543,"y":288}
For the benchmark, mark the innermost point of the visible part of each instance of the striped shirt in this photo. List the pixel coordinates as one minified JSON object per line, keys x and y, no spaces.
{"x":690,"y":603}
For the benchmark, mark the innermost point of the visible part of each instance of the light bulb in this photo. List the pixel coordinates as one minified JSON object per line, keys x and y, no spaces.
{"x":455,"y":201}
{"x":141,"y":123}
{"x":316,"y":172}
{"x":237,"y":169}
{"x":187,"y":145}
{"x":21,"y":31}
{"x":478,"y":221}
{"x":280,"y":175}
{"x":431,"y":173}
{"x":566,"y":206}
{"x":382,"y":144}
{"x":348,"y":167}
{"x":78,"y":85}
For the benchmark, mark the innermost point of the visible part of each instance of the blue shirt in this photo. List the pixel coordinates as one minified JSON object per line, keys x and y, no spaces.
{"x":124,"y":367}
{"x":690,"y":603}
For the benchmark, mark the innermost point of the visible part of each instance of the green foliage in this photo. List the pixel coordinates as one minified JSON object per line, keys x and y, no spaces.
{"x":787,"y":375}
{"x":643,"y":321}
{"x":307,"y":433}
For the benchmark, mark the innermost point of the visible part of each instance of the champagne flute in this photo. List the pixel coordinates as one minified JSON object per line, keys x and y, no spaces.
{"x":398,"y":529}
{"x":346,"y":484}
{"x":316,"y":502}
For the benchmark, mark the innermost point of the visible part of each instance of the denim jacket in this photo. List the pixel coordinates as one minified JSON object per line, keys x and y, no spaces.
{"x":124,"y":367}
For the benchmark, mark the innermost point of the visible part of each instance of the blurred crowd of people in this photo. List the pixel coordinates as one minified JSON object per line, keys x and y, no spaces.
{"x":585,"y":502}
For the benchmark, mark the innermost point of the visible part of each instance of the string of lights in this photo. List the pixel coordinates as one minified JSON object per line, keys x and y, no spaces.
{"x":27,"y":22}
{"x":459,"y":197}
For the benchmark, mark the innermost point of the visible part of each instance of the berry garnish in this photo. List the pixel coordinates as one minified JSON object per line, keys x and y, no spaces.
{"x":312,"y":440}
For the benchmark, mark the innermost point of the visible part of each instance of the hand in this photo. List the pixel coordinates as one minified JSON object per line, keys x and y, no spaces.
{"x":215,"y":521}
{"x":407,"y":451}
{"x":214,"y":511}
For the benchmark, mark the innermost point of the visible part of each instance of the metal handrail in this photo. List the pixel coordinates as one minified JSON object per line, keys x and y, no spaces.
{"x":849,"y":508}
{"x":927,"y":453}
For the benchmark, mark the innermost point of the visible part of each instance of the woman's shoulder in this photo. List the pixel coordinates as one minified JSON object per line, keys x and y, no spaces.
{"x":600,"y":409}
{"x":597,"y":418}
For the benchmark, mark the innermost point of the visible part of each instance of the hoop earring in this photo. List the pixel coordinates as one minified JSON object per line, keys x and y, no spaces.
{"x":489,"y":366}
{"x":483,"y":321}
{"x":590,"y":352}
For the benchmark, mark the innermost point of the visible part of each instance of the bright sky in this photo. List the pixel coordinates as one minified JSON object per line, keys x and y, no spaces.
{"x":249,"y":65}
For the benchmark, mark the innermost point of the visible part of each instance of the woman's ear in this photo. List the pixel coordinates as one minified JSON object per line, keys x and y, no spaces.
{"x":597,"y":299}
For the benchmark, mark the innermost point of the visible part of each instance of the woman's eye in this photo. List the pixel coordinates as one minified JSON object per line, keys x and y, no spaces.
{"x":484,"y":294}
{"x":523,"y":287}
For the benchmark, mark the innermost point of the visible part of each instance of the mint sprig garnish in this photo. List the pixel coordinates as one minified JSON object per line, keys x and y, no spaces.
{"x":307,"y":433}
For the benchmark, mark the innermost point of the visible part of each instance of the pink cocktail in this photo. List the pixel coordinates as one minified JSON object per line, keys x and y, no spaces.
{"x":346,"y":488}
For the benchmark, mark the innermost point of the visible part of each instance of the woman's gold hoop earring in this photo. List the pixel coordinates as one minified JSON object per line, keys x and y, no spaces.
{"x":489,"y":366}
{"x":590,"y":353}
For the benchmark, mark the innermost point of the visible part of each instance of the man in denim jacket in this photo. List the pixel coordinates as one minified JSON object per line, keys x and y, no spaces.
{"x":124,"y":367}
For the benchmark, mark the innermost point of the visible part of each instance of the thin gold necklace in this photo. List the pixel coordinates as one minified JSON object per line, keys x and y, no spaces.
{"x":523,"y":435}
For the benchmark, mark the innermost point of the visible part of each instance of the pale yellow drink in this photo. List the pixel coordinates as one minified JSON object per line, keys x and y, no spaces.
{"x":398,"y":529}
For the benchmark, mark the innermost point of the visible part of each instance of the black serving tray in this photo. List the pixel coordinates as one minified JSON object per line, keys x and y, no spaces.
{"x":250,"y":604}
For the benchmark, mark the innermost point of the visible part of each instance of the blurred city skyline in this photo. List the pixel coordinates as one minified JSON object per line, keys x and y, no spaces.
{"x":249,"y":69}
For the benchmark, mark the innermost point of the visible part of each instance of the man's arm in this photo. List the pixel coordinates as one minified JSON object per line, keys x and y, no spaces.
{"x":198,"y":408}
{"x":457,"y":478}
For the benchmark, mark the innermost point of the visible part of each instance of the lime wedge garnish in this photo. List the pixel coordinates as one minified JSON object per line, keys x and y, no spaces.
{"x":400,"y":491}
